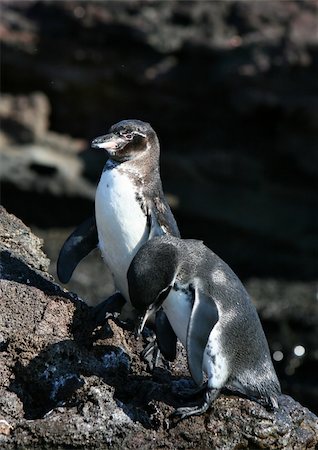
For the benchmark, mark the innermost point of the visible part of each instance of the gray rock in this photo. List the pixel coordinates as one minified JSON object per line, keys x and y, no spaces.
{"x":17,"y":239}
{"x":64,"y":384}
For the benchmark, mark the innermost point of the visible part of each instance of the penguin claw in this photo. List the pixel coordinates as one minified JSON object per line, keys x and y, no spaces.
{"x":151,"y":355}
{"x":180,"y":414}
{"x":187,"y":411}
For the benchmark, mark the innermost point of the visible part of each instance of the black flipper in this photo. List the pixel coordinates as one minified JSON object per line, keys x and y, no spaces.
{"x":166,"y":337}
{"x":203,"y":317}
{"x":78,"y":245}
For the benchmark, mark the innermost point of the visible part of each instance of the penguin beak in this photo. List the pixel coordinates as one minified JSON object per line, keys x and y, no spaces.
{"x":144,"y":319}
{"x":153,"y":308}
{"x":109,"y":142}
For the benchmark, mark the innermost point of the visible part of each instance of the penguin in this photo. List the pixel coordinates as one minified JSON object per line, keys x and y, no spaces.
{"x":212,"y":315}
{"x":130,"y":208}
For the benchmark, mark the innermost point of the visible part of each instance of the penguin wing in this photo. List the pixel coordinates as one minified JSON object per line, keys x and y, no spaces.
{"x":160,"y":219}
{"x":155,"y":227}
{"x":204,"y":316}
{"x":78,"y":245}
{"x":166,"y":337}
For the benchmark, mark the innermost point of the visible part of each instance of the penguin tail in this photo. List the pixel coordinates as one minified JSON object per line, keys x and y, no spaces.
{"x":273,"y":399}
{"x":270,"y":403}
{"x":266,"y":395}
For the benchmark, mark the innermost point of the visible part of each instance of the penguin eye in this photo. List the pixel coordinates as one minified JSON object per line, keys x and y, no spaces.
{"x":129,"y":136}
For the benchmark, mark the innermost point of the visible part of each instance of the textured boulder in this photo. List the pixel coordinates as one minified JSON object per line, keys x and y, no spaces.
{"x":65,"y":384}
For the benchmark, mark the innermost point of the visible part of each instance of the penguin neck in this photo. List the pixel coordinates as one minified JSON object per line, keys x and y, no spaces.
{"x":143,"y":175}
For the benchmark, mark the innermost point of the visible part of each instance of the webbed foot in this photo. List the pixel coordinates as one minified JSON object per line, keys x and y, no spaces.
{"x":163,"y":346}
{"x":151,"y":354}
{"x":196,"y":410}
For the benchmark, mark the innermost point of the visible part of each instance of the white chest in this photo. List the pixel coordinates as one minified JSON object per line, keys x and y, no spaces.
{"x":178,"y":307}
{"x":121,"y":224}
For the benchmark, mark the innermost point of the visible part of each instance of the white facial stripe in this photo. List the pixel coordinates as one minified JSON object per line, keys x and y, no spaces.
{"x":139,"y":133}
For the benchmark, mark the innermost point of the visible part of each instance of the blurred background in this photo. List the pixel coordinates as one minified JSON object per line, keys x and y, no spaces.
{"x":231,"y":89}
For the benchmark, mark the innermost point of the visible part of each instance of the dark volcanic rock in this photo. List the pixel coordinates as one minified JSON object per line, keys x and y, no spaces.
{"x":64,"y":384}
{"x":231,"y":88}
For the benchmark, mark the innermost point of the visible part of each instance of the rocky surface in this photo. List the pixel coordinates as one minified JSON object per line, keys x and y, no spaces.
{"x":65,"y":384}
{"x":230,"y":87}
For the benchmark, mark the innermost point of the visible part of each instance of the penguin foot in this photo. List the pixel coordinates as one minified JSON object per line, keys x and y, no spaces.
{"x":109,"y":308}
{"x":151,"y":355}
{"x":184,"y":412}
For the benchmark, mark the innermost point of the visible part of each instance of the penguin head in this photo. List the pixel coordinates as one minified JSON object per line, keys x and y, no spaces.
{"x":151,"y":275}
{"x":127,"y":140}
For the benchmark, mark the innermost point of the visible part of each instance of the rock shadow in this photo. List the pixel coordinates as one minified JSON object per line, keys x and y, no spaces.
{"x":62,"y":373}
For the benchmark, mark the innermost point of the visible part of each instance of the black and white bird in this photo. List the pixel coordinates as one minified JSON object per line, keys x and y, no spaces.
{"x":211,"y":314}
{"x":130,"y":208}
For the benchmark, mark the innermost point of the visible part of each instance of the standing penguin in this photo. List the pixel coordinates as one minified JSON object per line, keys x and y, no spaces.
{"x":130,"y":208}
{"x":212,"y":315}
